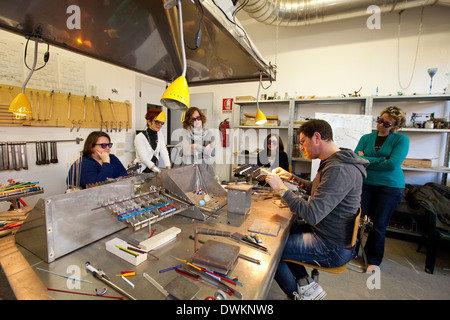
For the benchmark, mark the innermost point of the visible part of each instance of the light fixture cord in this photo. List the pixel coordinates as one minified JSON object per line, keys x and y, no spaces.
{"x":34,"y":65}
{"x":259,"y":87}
{"x":180,"y":14}
{"x":398,"y":50}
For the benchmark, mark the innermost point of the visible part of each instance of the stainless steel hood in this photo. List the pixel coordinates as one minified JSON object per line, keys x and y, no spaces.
{"x":295,"y":13}
{"x":142,"y":36}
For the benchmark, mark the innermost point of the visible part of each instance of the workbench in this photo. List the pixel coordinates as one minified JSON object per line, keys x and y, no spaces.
{"x":28,"y":282}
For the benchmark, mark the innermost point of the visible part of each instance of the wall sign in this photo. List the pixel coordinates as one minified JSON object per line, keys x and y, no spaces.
{"x":227,"y":105}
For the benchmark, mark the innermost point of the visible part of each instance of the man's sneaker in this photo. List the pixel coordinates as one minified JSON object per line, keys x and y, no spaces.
{"x":312,"y":291}
{"x":371,"y":268}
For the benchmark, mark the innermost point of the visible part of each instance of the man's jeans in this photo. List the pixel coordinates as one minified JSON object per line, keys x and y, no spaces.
{"x":379,"y":203}
{"x":306,"y":246}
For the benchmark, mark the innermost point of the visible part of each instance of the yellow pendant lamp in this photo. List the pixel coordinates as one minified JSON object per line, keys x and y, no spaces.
{"x":21,"y":106}
{"x":161,"y":117}
{"x":260,"y":117}
{"x":176,"y":96}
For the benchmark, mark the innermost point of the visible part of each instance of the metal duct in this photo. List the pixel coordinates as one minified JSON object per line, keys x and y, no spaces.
{"x":304,"y":12}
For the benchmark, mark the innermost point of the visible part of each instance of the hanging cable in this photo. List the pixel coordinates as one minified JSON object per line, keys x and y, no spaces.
{"x":417,"y":49}
{"x":46,"y":54}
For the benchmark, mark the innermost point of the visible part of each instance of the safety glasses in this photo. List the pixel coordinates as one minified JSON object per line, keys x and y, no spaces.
{"x":199,"y":118}
{"x":159,"y":122}
{"x":384,"y":123}
{"x":104,"y":145}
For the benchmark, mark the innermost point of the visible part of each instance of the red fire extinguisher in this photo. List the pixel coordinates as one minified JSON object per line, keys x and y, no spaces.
{"x":224,"y":128}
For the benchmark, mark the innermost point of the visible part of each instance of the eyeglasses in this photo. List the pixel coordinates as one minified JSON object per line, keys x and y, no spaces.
{"x":384,"y":123}
{"x":158,"y":122}
{"x":104,"y":145}
{"x":199,"y":118}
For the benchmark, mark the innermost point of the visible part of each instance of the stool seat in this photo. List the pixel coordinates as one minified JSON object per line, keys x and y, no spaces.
{"x":335,"y":270}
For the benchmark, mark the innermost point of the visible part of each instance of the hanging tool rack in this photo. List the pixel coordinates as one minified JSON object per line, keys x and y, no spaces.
{"x":13,"y":155}
{"x":56,"y":109}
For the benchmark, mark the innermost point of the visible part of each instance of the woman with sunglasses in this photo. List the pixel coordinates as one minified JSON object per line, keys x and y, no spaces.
{"x":196,"y":140}
{"x":273,"y":155}
{"x":150,"y":144}
{"x":97,"y":163}
{"x":384,"y":185}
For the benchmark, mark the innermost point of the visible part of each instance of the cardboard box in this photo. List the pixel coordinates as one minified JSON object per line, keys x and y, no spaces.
{"x":250,"y":119}
{"x":420,"y":163}
{"x":252,"y":122}
{"x":245,"y":98}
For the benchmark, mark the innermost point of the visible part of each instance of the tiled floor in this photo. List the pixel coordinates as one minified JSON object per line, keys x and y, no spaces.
{"x":401,"y":277}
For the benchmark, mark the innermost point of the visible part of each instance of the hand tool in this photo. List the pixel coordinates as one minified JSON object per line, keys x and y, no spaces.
{"x":23,"y":151}
{"x":51,"y":103}
{"x":18,"y":157}
{"x":11,"y":159}
{"x":99,"y":274}
{"x":100,"y":111}
{"x":166,"y":294}
{"x":46,"y":153}
{"x":235,"y":236}
{"x":45,"y":107}
{"x":38,"y":107}
{"x":54,"y":152}
{"x":128,"y":113}
{"x":93,"y":102}
{"x":114,"y":115}
{"x":31,"y":104}
{"x":68,"y":113}
{"x":1,"y":156}
{"x":85,"y":98}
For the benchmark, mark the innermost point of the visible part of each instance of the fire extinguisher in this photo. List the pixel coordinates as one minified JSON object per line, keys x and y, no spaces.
{"x":224,"y":128}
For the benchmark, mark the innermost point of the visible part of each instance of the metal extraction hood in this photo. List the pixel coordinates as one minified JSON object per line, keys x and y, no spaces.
{"x":142,"y":36}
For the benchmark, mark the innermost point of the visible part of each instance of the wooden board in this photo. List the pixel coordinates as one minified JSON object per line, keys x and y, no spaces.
{"x":216,"y":256}
{"x":77,"y":112}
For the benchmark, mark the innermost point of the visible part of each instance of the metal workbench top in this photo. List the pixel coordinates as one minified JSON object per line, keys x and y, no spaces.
{"x":256,"y":279}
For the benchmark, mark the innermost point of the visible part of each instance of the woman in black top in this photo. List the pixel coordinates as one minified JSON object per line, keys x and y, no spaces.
{"x":273,"y":155}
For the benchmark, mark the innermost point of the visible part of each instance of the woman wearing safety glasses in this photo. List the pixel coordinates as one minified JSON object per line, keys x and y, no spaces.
{"x":196,"y":140}
{"x":384,"y":185}
{"x":273,"y":154}
{"x":150,"y":144}
{"x":97,"y":164}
